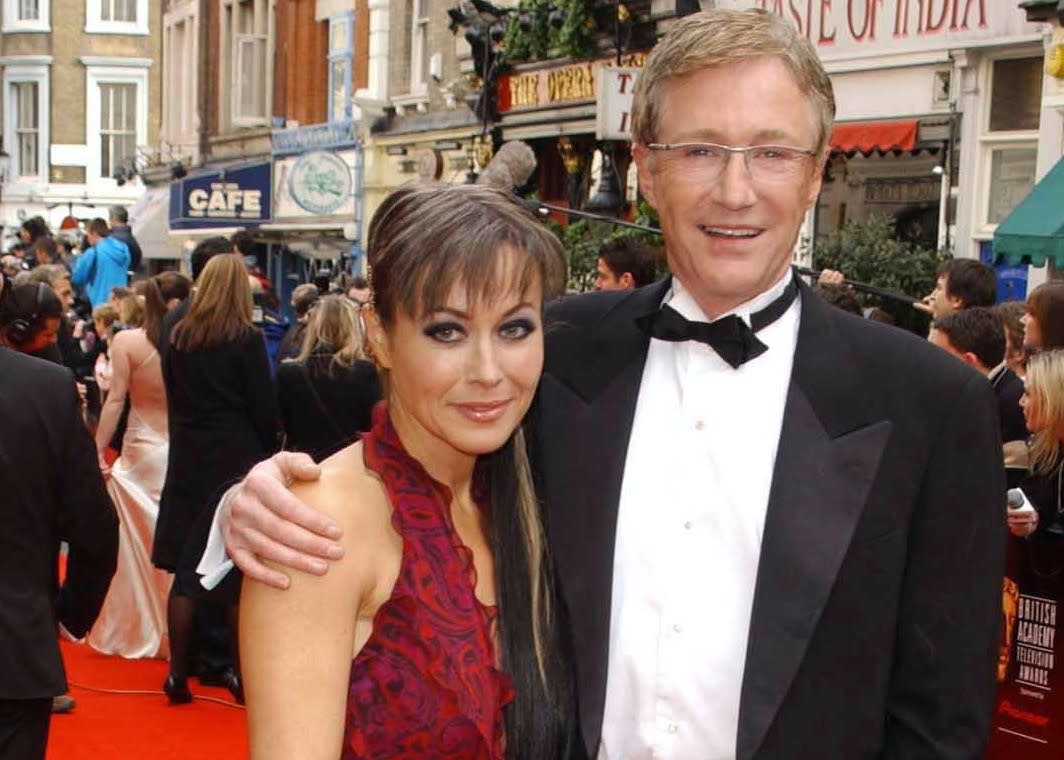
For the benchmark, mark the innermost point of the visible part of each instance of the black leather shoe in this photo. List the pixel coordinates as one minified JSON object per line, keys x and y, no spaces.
{"x":177,"y":691}
{"x":64,"y":703}
{"x":235,"y":685}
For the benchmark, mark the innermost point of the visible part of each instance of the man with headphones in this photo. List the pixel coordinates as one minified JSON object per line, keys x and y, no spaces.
{"x":54,"y":493}
{"x":30,"y":316}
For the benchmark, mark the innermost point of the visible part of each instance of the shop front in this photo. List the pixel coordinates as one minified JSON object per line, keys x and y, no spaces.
{"x":317,"y":204}
{"x":219,"y":201}
{"x":555,"y":109}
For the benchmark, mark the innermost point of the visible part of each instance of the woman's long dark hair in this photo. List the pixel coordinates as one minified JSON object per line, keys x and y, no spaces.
{"x":158,"y":292}
{"x":541,"y":723}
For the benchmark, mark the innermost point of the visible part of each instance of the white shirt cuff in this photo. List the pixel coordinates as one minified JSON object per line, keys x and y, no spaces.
{"x":215,"y":563}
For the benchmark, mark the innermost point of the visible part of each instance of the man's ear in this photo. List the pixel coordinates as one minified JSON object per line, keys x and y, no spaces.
{"x":972,"y":360}
{"x":643,"y":158}
{"x":627,"y":281}
{"x":376,"y":337}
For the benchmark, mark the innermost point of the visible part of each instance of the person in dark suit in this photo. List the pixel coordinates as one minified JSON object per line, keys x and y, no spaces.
{"x":223,"y":418}
{"x":327,"y":392}
{"x":778,"y":529}
{"x":976,"y":336}
{"x":52,"y":492}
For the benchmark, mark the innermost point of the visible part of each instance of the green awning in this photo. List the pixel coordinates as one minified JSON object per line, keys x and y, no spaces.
{"x":1034,"y":232}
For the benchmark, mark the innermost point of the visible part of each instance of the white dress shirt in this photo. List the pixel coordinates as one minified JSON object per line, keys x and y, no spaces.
{"x":691,"y":516}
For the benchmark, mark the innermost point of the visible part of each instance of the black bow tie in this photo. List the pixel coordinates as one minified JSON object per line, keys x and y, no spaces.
{"x":732,"y":339}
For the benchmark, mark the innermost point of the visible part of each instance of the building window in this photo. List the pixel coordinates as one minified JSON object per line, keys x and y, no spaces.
{"x":1009,"y":139}
{"x":118,"y":10}
{"x":419,"y":53}
{"x":340,"y":58}
{"x":116,"y":16}
{"x":26,"y":119}
{"x":118,"y":126}
{"x":26,"y":16}
{"x":180,"y":118}
{"x":247,"y":25}
{"x":116,"y":116}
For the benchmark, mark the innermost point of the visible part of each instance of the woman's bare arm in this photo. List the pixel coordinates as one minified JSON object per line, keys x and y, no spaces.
{"x":297,"y":645}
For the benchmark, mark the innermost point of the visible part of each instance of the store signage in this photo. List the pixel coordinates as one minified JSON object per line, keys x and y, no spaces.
{"x":903,"y":190}
{"x":613,"y":103}
{"x":558,"y":85}
{"x":893,"y":26}
{"x":317,"y":185}
{"x":230,"y":197}
{"x":333,"y":134}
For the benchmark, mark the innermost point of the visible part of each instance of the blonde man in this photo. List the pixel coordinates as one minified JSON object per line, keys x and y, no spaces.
{"x":778,"y":529}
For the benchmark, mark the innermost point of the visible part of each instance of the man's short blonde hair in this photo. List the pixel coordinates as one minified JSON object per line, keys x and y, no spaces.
{"x":715,"y":37}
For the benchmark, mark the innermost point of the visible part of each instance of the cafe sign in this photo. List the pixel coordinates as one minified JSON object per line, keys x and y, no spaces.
{"x":228,"y":197}
{"x":558,"y":85}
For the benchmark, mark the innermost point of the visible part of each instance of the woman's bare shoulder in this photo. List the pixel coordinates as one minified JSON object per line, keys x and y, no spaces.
{"x":348,"y":493}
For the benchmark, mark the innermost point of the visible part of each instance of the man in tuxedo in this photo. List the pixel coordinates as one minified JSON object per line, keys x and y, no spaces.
{"x":52,"y":492}
{"x":976,"y":336}
{"x":777,"y":528}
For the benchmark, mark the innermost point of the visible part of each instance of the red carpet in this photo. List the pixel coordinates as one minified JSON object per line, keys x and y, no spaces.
{"x":140,"y":726}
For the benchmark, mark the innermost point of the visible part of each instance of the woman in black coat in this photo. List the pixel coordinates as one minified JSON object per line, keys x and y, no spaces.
{"x":327,"y":392}
{"x":223,"y":419}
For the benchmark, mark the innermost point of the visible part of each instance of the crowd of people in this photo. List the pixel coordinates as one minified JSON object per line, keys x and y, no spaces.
{"x":449,"y":512}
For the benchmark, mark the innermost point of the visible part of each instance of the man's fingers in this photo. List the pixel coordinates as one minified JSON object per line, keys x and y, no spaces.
{"x":295,"y":466}
{"x":921,"y":306}
{"x":263,"y":499}
{"x":257,"y":571}
{"x":266,"y":549}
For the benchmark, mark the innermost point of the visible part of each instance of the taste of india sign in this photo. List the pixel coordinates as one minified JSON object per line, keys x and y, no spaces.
{"x":848,"y":27}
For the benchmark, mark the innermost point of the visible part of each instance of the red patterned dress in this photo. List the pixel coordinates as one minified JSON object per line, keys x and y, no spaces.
{"x":425,"y":684}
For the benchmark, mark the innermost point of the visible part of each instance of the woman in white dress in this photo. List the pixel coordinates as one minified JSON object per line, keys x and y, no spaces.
{"x":133,"y":620}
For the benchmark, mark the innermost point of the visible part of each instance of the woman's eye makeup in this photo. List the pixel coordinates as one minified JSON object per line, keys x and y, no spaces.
{"x":444,"y":332}
{"x":515,"y":329}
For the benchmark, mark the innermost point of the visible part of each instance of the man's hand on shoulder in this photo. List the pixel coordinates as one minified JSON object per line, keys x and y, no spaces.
{"x":266,"y":521}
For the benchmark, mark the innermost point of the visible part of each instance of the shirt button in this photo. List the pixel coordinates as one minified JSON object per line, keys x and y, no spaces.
{"x":688,"y":525}
{"x":700,"y":425}
{"x":677,"y":628}
{"x":673,"y":728}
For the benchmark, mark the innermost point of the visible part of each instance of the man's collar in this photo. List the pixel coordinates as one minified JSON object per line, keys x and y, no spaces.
{"x":680,"y":299}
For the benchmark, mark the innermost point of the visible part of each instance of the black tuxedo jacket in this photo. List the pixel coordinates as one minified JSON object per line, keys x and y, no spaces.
{"x":875,"y":617}
{"x":50,"y":491}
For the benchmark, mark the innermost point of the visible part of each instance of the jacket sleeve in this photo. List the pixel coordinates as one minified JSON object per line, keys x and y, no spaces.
{"x":87,"y":522}
{"x":261,"y":396}
{"x":944,"y":675}
{"x":83,"y":268}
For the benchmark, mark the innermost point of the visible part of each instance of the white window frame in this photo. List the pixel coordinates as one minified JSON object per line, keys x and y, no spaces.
{"x":419,"y":48}
{"x":34,"y":69}
{"x":344,"y":55}
{"x":95,"y":25}
{"x":229,"y":69}
{"x":181,"y":109}
{"x":96,"y":74}
{"x":991,"y":141}
{"x":12,"y":23}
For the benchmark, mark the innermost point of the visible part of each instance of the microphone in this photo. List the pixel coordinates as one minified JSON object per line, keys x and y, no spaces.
{"x":510,"y":167}
{"x":1016,"y":500}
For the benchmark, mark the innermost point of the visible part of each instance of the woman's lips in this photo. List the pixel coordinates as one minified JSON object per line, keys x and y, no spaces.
{"x":484,"y":411}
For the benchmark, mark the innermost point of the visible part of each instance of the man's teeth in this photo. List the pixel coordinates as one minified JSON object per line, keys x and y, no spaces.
{"x":731,"y":233}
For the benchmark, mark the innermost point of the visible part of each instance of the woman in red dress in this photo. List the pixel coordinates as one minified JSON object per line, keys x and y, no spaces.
{"x":436,"y":635}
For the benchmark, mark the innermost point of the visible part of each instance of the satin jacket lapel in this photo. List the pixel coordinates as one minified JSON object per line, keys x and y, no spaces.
{"x":831,"y":443}
{"x":588,"y":399}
